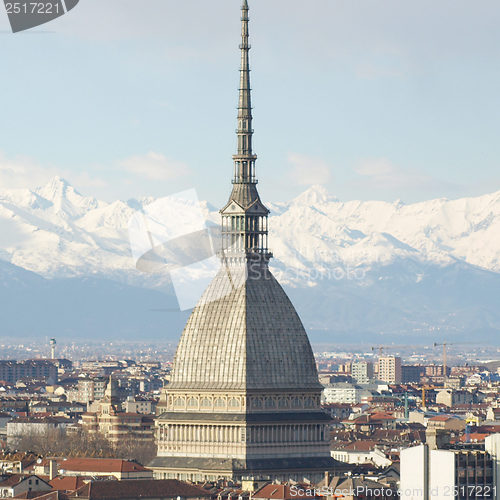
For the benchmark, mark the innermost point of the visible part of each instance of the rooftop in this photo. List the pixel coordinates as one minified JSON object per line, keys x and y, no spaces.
{"x":133,"y":489}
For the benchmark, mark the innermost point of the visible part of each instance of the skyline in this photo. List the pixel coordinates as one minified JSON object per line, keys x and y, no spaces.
{"x":152,"y":74}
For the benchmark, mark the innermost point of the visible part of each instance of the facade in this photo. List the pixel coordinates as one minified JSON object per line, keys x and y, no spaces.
{"x":389,"y":369}
{"x":462,"y":474}
{"x":139,"y":405}
{"x":38,"y":369}
{"x":361,"y":453}
{"x":91,"y":389}
{"x":105,"y":468}
{"x":446,"y":423}
{"x":108,"y":419}
{"x":492,"y":446}
{"x":16,"y":463}
{"x":344,"y":392}
{"x":12,"y":485}
{"x":450,"y":397}
{"x":244,"y":398}
{"x":411,"y":373}
{"x":362,"y":371}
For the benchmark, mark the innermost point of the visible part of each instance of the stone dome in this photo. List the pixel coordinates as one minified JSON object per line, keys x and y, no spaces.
{"x":244,"y":334}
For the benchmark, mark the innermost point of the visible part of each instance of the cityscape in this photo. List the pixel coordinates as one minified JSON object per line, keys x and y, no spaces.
{"x":262,"y":396}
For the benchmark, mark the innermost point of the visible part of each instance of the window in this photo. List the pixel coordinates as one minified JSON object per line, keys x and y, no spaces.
{"x":234,"y":403}
{"x":220,"y":403}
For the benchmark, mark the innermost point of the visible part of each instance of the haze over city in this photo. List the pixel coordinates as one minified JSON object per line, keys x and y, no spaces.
{"x":303,"y":304}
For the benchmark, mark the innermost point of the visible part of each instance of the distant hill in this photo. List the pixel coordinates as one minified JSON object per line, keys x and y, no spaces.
{"x":83,"y":308}
{"x":356,"y":271}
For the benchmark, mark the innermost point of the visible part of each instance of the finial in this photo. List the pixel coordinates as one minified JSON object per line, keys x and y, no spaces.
{"x":245,"y":131}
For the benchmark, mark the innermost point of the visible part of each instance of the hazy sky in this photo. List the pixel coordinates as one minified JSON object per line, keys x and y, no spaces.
{"x":375,"y":99}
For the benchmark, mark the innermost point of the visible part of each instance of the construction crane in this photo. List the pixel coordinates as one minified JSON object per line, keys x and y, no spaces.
{"x":445,"y":360}
{"x":380,"y":349}
{"x":444,"y":345}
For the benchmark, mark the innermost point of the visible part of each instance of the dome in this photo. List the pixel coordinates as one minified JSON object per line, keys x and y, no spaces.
{"x":244,"y":334}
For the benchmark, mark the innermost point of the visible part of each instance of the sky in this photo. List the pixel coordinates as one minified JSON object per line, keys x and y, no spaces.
{"x":392,"y":100}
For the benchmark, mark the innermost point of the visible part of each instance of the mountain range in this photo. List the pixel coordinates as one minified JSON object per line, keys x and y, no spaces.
{"x":356,"y":271}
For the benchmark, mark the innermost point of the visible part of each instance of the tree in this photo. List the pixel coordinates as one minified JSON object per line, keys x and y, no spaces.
{"x":79,"y":443}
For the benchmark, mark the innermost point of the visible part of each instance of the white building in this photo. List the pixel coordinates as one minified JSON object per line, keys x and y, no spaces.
{"x":492,"y":446}
{"x":344,"y":392}
{"x":362,"y":371}
{"x":138,"y":405}
{"x":12,"y":485}
{"x":461,"y":474}
{"x":355,"y":453}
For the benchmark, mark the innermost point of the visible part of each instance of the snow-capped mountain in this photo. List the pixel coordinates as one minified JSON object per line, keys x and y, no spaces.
{"x":430,"y":268}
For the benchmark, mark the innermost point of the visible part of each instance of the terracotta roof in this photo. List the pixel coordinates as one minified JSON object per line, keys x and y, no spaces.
{"x":139,"y":488}
{"x":440,"y":418}
{"x":12,"y":480}
{"x":490,"y":428}
{"x":281,"y":492}
{"x":67,"y":483}
{"x":382,"y":416}
{"x":361,"y":446}
{"x":15,"y":479}
{"x":474,"y":437}
{"x":100,"y":465}
{"x":361,"y":484}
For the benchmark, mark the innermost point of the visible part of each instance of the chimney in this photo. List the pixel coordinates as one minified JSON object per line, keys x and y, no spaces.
{"x":52,"y":469}
{"x":327,"y":478}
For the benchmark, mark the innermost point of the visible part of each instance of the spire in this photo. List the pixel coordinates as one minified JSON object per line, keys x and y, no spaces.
{"x":244,"y":158}
{"x":244,"y":218}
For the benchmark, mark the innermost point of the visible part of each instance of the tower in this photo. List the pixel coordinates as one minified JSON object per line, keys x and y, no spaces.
{"x":244,"y":396}
{"x":52,"y":348}
{"x":390,"y":370}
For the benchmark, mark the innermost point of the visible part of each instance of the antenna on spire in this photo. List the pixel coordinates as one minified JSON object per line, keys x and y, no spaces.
{"x":244,"y":158}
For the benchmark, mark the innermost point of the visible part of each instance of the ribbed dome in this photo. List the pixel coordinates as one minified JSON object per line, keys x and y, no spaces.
{"x":244,"y":334}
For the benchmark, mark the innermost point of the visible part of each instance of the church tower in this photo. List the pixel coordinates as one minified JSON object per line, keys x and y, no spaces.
{"x":244,"y":396}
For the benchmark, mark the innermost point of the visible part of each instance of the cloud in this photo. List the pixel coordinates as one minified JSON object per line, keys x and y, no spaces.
{"x":21,"y":172}
{"x":308,"y":170}
{"x":86,"y":180}
{"x":383,"y":174}
{"x":120,"y":179}
{"x":155,"y":166}
{"x":24,"y":173}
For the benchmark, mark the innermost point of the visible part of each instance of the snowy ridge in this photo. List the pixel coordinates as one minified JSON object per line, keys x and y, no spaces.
{"x":370,"y":267}
{"x":56,"y":232}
